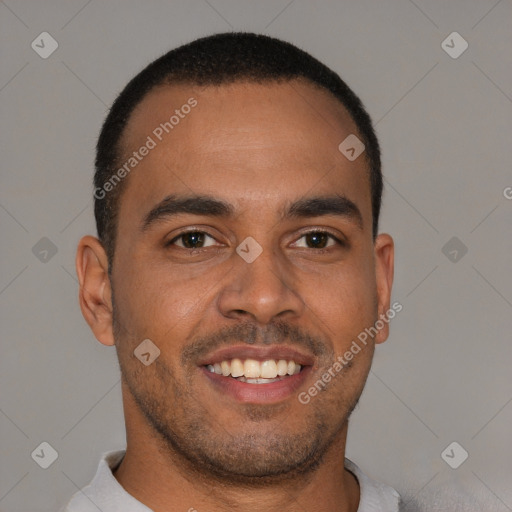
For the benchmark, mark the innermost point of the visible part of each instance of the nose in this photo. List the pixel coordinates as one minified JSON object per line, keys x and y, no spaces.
{"x":264,"y":289}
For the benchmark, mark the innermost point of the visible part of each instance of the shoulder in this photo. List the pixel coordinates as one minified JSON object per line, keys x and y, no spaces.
{"x":374,"y":496}
{"x":104,"y":492}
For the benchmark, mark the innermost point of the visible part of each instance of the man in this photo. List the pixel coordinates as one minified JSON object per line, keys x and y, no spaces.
{"x":238,"y":272}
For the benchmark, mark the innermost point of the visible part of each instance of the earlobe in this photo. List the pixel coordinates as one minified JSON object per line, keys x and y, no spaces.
{"x":384,"y":269}
{"x":95,"y":294}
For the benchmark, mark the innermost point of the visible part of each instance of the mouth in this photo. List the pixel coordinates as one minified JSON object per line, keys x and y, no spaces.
{"x":253,"y":371}
{"x":255,"y":375}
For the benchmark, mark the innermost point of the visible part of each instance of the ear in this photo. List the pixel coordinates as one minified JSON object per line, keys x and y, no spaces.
{"x":384,"y":269}
{"x":95,"y":294}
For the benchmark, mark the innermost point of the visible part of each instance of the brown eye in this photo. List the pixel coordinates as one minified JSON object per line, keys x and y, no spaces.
{"x":319,"y":240}
{"x":191,"y":240}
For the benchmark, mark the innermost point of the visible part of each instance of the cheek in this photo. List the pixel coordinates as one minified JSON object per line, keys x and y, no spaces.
{"x":346,"y":304}
{"x":157,"y":301}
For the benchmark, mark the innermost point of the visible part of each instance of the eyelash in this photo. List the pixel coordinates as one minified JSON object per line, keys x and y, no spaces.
{"x":314,"y":231}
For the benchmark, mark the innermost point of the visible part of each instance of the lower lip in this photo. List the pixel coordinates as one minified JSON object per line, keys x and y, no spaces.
{"x":258,"y":393}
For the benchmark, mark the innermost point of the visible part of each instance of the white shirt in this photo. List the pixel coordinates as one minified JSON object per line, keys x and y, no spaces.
{"x":105,"y":493}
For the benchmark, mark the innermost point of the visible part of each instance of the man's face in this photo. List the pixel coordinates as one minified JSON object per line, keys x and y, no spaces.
{"x":305,"y":298}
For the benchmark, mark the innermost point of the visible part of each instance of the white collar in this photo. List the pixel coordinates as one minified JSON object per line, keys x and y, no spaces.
{"x":106,"y":494}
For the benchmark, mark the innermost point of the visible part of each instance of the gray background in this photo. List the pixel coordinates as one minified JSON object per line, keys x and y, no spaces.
{"x":445,"y":127}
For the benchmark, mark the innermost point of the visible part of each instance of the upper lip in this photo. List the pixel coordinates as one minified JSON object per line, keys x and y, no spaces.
{"x":258,"y":353}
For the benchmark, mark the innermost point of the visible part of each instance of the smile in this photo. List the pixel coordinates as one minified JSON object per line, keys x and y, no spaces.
{"x":257,"y":375}
{"x":253,"y":371}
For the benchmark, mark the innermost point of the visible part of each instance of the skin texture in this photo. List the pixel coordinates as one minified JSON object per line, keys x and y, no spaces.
{"x":259,"y":147}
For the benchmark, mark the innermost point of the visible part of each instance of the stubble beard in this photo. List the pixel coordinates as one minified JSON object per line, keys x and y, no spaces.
{"x":200,"y":445}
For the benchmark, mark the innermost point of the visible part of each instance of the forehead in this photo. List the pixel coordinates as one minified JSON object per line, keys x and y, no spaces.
{"x":241,"y":142}
{"x":294,"y":108}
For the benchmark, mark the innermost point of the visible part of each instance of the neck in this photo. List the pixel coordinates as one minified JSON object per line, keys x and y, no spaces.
{"x":157,"y":477}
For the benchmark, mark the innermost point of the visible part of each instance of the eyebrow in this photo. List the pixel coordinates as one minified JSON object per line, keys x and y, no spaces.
{"x":174,"y":205}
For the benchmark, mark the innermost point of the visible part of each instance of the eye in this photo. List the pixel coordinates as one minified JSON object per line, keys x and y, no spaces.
{"x":191,"y":240}
{"x":318,"y":239}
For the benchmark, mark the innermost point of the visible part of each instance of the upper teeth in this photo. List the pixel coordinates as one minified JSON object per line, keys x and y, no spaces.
{"x":252,"y":368}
